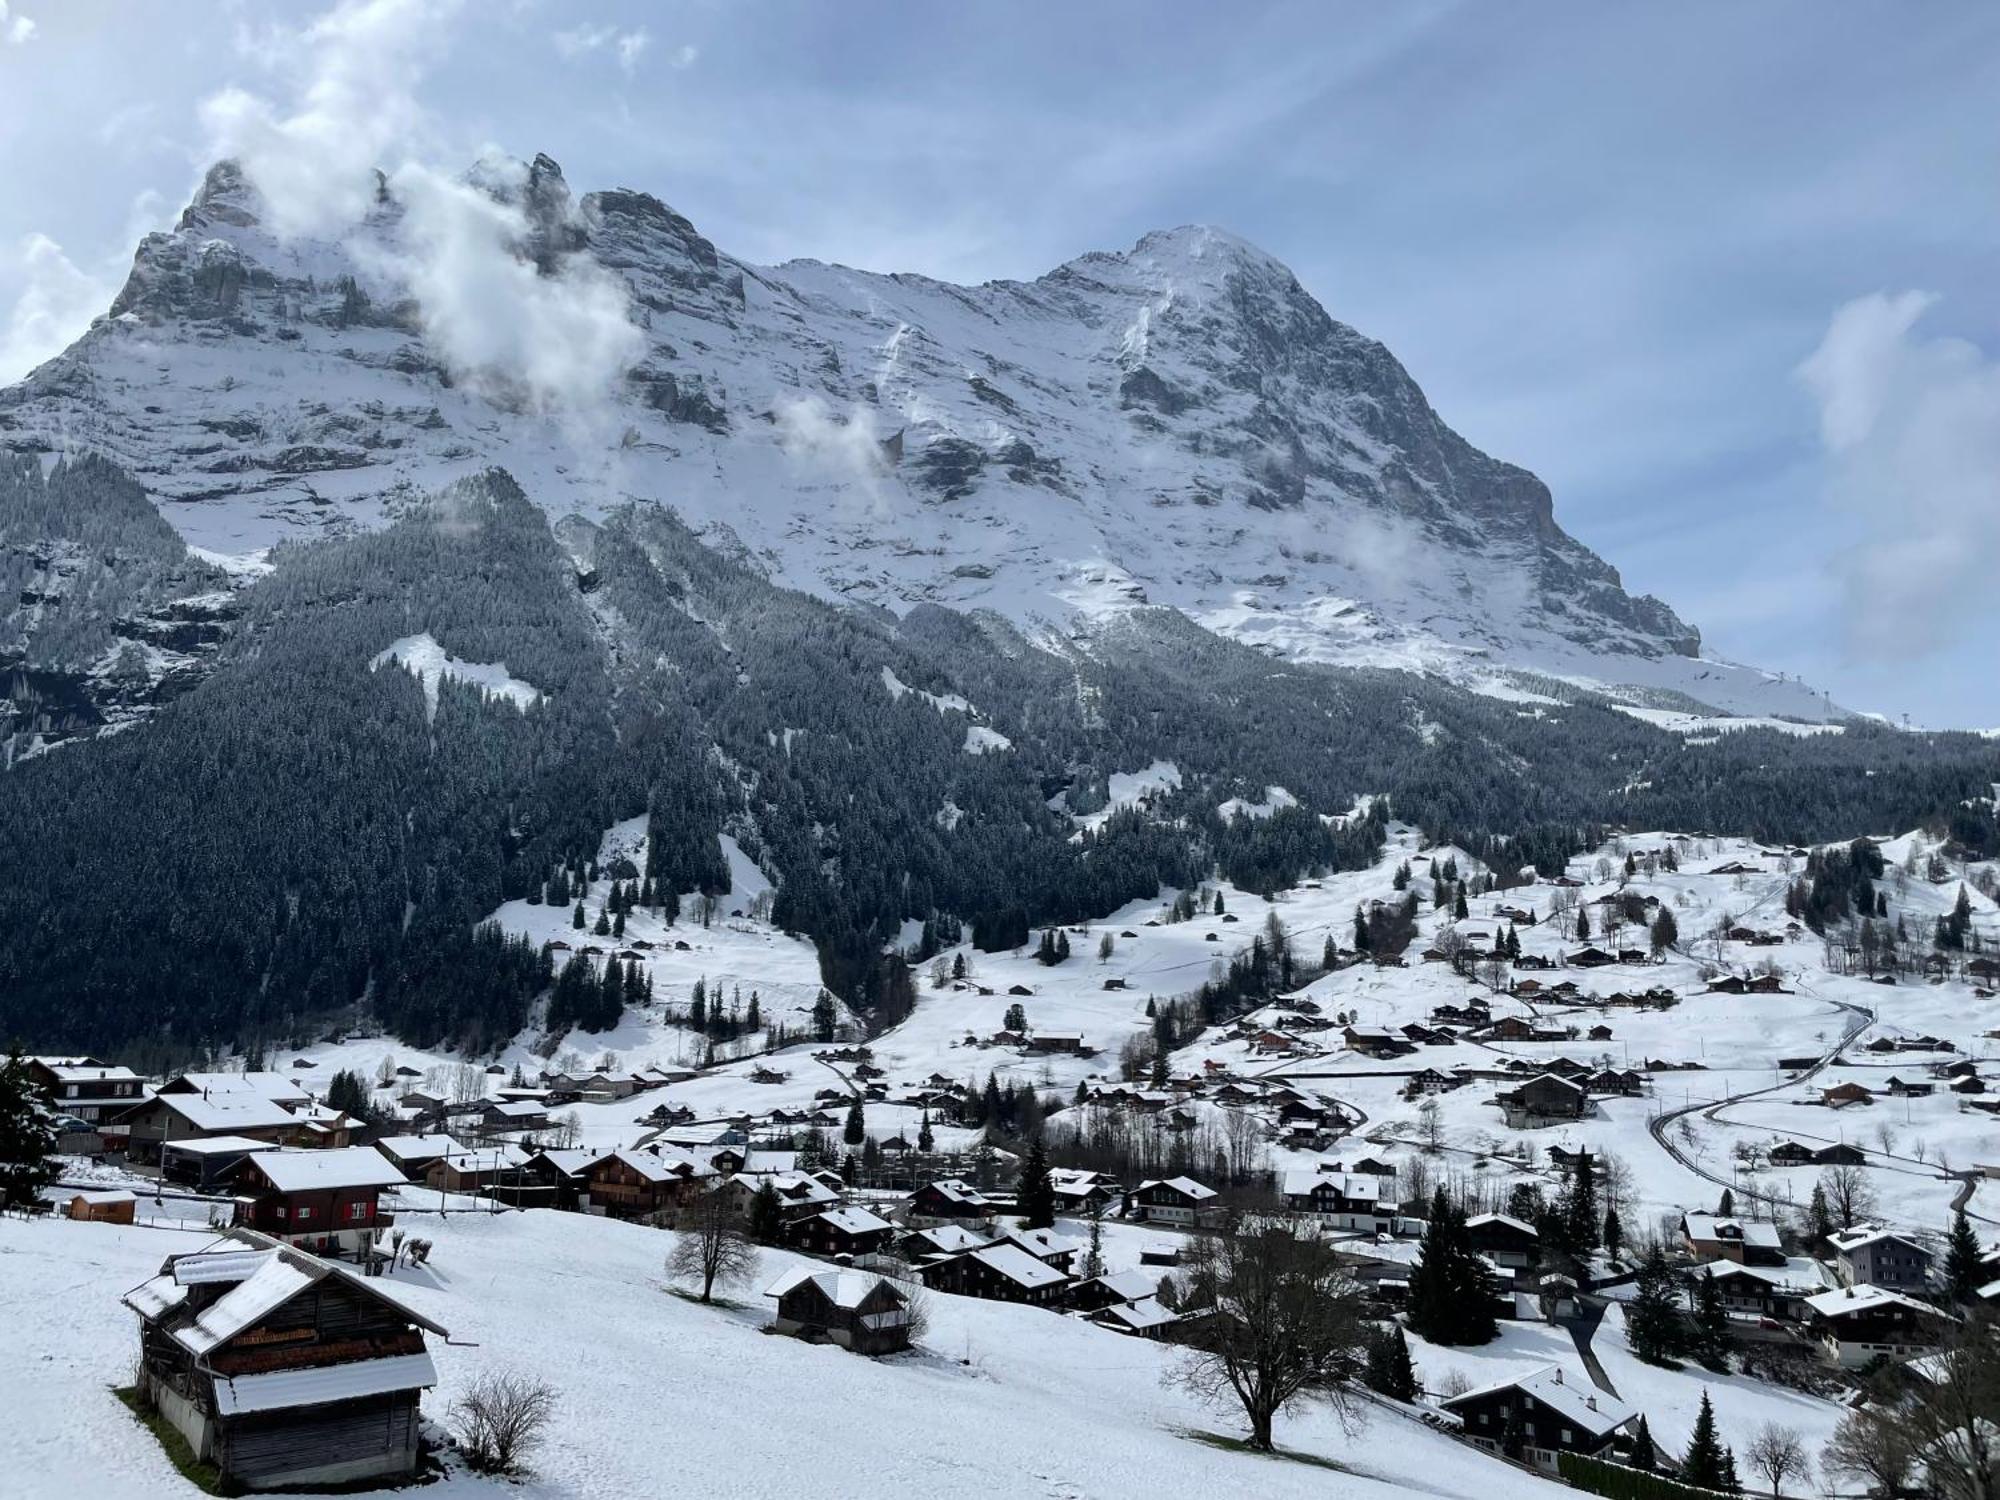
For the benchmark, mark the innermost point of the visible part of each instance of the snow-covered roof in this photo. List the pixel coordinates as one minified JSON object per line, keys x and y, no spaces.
{"x":1184,"y":1185}
{"x":344,"y":1382}
{"x":236,"y":1109}
{"x":342,"y":1167}
{"x":273,"y":1086}
{"x":1507,"y":1220}
{"x":80,"y":1070}
{"x":519,"y":1109}
{"x":1140,"y":1315}
{"x":855,"y":1220}
{"x":1847,"y":1240}
{"x":1749,"y":1232}
{"x":1017,"y":1265}
{"x":1855,"y":1299}
{"x":952,"y":1238}
{"x":844,"y":1289}
{"x":1129,"y":1286}
{"x":1041,"y":1243}
{"x":1301,"y":1181}
{"x":1596,"y":1412}
{"x":269,"y":1287}
{"x":402,"y":1148}
{"x":102,"y":1196}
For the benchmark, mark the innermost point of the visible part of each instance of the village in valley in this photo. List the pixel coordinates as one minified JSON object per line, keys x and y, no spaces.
{"x":1670,"y":1173}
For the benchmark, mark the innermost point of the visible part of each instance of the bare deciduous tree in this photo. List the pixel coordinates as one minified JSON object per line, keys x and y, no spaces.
{"x":1278,"y":1321}
{"x":1954,"y":1422}
{"x":1872,"y":1447}
{"x":1849,"y":1198}
{"x":1778,"y":1454}
{"x":500,"y":1418}
{"x":710,"y":1246}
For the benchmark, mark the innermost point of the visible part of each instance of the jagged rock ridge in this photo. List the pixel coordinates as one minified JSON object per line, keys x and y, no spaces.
{"x":1179,"y":424}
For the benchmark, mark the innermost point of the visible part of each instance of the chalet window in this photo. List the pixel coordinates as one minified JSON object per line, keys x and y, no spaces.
{"x":357,"y":1210}
{"x":70,"y":1091}
{"x":1568,"y":1436}
{"x":304,"y":1213}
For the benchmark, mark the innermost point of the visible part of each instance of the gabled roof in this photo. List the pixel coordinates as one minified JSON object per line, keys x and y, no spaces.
{"x":341,"y":1167}
{"x":950,"y":1239}
{"x":1017,"y":1265}
{"x":1858,"y":1299}
{"x":1041,"y":1243}
{"x":402,"y":1148}
{"x":1846,"y":1241}
{"x":1507,"y":1221}
{"x":1129,"y":1286}
{"x":1758,"y":1236}
{"x":235,"y":1109}
{"x":855,"y":1220}
{"x":1186,"y":1186}
{"x":1596,"y":1412}
{"x":1139,"y":1315}
{"x":844,"y":1289}
{"x":272,"y":1086}
{"x":264,"y":1275}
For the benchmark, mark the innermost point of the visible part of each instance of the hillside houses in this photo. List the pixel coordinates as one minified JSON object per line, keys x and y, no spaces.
{"x":1746,"y":1242}
{"x":1341,"y":1199}
{"x":1870,"y":1255}
{"x":1855,"y":1326}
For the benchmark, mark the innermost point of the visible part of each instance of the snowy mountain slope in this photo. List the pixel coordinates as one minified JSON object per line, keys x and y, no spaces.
{"x":1001,"y":1400}
{"x":1180,"y":424}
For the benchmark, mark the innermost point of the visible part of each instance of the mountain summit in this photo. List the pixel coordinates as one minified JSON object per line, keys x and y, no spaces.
{"x":1180,"y":424}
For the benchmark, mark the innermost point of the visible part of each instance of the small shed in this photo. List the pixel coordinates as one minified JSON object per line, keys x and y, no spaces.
{"x":107,"y":1207}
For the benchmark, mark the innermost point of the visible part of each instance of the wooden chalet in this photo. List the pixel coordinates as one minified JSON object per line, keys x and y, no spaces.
{"x":1095,"y":1293}
{"x":328,"y":1202}
{"x":633,"y":1183}
{"x":1545,"y":1100}
{"x":1744,"y":1241}
{"x":1505,"y":1240}
{"x":999,"y":1273}
{"x":948,"y":1199}
{"x":862,"y":1314}
{"x":281,"y":1368}
{"x":1179,"y":1201}
{"x":1857,"y":1325}
{"x":847,"y":1231}
{"x":1534,"y":1418}
{"x":102,"y":1206}
{"x":86,"y":1088}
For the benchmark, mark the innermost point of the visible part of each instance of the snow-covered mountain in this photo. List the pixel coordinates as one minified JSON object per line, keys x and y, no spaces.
{"x":1179,"y":424}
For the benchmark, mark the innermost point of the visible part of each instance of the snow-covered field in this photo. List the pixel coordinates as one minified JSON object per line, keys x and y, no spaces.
{"x":660,"y":1395}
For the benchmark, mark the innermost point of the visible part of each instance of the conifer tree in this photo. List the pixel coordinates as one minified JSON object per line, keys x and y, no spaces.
{"x":926,"y":1139}
{"x":1652,"y":1318}
{"x":1963,"y":1274}
{"x":27,"y":1136}
{"x":856,"y":1130}
{"x":1036,"y":1196}
{"x":767,"y":1223}
{"x":1711,"y":1325}
{"x":1645,"y":1457}
{"x":1459,"y":910}
{"x":1702,"y":1464}
{"x":576,"y":918}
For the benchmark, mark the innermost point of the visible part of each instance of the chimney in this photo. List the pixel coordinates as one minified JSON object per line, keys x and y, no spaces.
{"x":1559,"y":1375}
{"x":1591,"y":1402}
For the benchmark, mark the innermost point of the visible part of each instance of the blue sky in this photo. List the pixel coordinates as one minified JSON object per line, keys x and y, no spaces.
{"x":1606,"y":240}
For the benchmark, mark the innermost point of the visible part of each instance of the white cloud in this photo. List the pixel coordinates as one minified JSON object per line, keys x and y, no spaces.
{"x":628,"y":46}
{"x":15,"y":31}
{"x":686,"y":55}
{"x":555,"y":343}
{"x":360,"y":64}
{"x":843,"y":447}
{"x":56,"y":301}
{"x":1911,"y":427}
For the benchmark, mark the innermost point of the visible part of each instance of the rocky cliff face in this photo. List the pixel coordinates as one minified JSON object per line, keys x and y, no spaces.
{"x":1179,"y":424}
